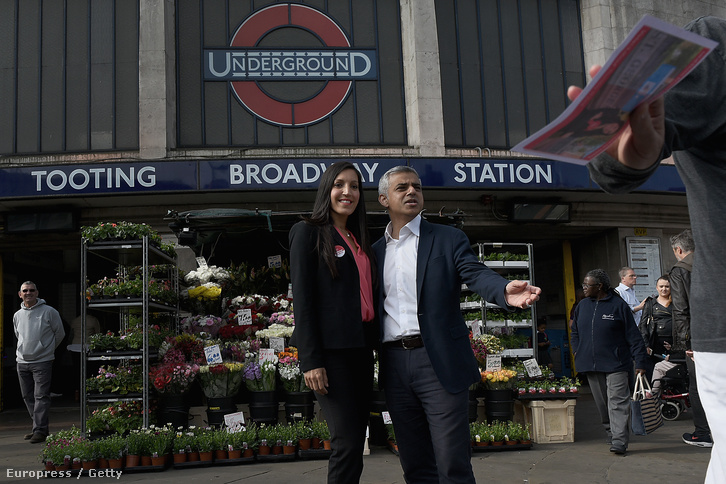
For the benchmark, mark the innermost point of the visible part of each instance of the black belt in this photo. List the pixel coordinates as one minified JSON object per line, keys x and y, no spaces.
{"x":407,"y":343}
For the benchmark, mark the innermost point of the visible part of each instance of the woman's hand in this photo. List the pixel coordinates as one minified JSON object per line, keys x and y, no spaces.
{"x":317,"y":380}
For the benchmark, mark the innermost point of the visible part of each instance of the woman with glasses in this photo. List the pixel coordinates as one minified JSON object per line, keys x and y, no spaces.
{"x":605,"y":341}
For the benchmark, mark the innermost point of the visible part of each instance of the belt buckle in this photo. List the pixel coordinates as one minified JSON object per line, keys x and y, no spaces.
{"x":409,"y":338}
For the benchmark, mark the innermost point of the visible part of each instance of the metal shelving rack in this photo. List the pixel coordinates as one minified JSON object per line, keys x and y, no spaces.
{"x":123,"y":254}
{"x":509,"y":267}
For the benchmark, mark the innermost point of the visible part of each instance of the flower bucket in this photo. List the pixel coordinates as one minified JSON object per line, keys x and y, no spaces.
{"x":158,"y":461}
{"x":305,"y":444}
{"x":102,"y":463}
{"x":193,"y":456}
{"x":217,"y":408}
{"x":173,"y":410}
{"x":326,"y":445}
{"x":220,"y":455}
{"x":87,"y":465}
{"x":115,"y":463}
{"x":146,"y":460}
{"x":316,"y":443}
{"x":299,"y":406}
{"x":206,"y":456}
{"x":499,"y":405}
{"x":276,"y":449}
{"x":235,"y":454}
{"x":264,"y":407}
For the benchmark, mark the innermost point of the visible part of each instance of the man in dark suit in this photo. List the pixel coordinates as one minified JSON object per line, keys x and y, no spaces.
{"x":427,"y":364}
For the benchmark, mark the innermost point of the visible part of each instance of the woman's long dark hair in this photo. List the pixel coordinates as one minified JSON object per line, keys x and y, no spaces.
{"x":356,"y":222}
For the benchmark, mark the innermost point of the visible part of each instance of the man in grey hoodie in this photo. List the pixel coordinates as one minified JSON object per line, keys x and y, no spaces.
{"x":39,"y":330}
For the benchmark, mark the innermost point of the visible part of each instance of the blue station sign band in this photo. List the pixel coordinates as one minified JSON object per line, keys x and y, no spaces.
{"x":202,"y":176}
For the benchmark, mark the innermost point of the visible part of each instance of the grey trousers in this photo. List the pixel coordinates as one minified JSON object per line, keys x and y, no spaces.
{"x":611,"y":393}
{"x":35,"y":388}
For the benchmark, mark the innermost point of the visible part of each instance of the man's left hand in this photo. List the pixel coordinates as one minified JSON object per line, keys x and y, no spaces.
{"x":520,"y":294}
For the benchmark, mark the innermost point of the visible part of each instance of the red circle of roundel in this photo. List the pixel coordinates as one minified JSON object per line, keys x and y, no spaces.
{"x":255,"y":99}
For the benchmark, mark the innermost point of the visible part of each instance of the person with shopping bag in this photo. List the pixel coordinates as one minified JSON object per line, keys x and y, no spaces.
{"x":606,"y":340}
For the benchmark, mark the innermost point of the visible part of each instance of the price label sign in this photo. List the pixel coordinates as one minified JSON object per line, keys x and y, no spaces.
{"x":267,"y":354}
{"x":494,"y":362}
{"x":532,"y":368}
{"x":475,"y":329}
{"x":277,"y":343}
{"x":386,"y":417}
{"x":274,"y":261}
{"x":244,"y":317}
{"x":235,"y":421}
{"x":201,"y":262}
{"x":214,"y":356}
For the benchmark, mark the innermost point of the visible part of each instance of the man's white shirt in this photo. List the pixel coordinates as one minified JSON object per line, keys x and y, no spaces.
{"x":628,"y":294}
{"x":400,"y":304}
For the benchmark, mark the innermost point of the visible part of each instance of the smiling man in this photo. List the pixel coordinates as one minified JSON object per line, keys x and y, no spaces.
{"x":39,"y":330}
{"x":427,"y":364}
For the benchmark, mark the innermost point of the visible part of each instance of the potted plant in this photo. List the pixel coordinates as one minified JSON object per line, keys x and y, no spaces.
{"x":391,"y":434}
{"x":112,"y":449}
{"x":497,"y":431}
{"x":135,"y":447}
{"x":221,"y":444}
{"x":322,"y":432}
{"x":304,"y":432}
{"x":287,"y":436}
{"x":205,"y":444}
{"x":266,"y":438}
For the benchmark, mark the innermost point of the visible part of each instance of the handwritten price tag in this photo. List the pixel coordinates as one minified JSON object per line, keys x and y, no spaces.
{"x":201,"y":262}
{"x":386,"y":417}
{"x":214,"y":356}
{"x":277,"y":343}
{"x":235,"y":420}
{"x":267,"y":354}
{"x":494,"y":362}
{"x":274,"y":261}
{"x":532,"y":367}
{"x":244,"y":317}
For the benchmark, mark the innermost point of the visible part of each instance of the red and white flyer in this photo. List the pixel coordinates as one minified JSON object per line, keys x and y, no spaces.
{"x":651,"y":60}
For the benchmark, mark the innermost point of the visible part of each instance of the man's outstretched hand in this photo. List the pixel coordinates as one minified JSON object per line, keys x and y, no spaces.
{"x":520,"y":294}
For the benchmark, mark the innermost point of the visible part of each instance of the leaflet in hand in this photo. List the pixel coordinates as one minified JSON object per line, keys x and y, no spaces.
{"x":653,"y":58}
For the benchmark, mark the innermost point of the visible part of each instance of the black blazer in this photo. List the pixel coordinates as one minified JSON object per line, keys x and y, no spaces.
{"x":445,"y":261}
{"x":327,"y":311}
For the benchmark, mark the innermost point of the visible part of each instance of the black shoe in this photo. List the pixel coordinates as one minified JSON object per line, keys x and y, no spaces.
{"x":693,"y":439}
{"x":28,"y":436}
{"x":618,"y":449}
{"x":37,"y":438}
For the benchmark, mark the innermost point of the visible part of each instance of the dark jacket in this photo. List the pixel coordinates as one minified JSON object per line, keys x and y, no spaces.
{"x":647,"y":325}
{"x":327,"y":311}
{"x":445,"y":261}
{"x":605,"y":337}
{"x":680,"y":277}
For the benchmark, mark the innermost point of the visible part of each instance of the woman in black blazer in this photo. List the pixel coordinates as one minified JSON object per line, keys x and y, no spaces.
{"x":331,"y":264}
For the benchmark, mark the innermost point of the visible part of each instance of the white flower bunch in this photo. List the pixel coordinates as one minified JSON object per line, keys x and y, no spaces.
{"x":276,"y":330}
{"x":289,"y":372}
{"x":207,"y":274}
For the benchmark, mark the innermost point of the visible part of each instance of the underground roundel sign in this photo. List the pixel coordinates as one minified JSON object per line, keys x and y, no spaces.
{"x":248,"y":66}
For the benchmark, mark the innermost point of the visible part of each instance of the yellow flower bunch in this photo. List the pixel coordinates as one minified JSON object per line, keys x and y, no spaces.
{"x":500,"y":379}
{"x":495,"y":376}
{"x":208,"y":291}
